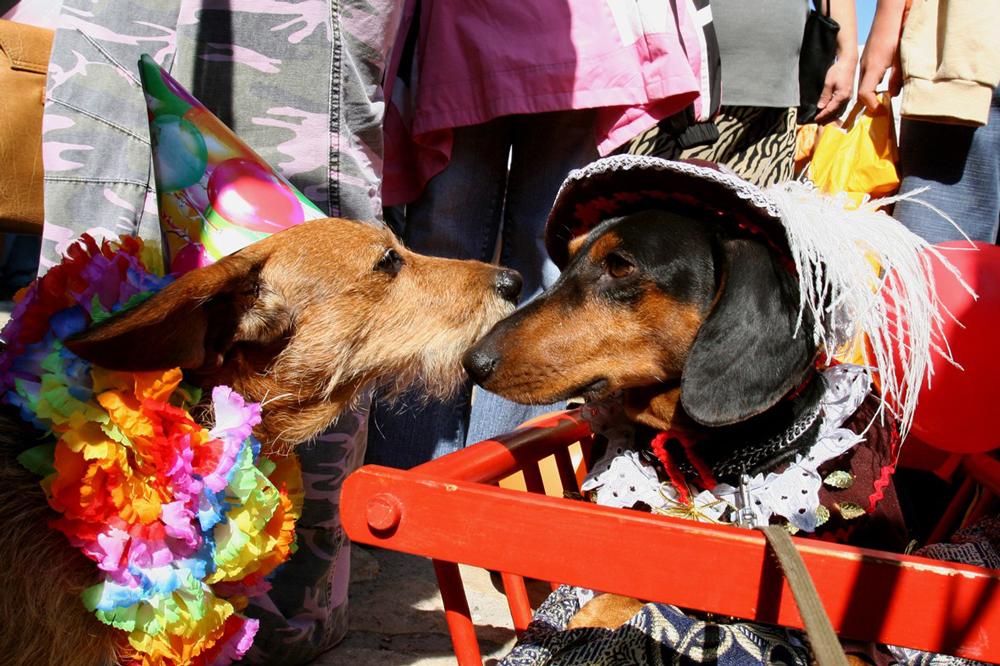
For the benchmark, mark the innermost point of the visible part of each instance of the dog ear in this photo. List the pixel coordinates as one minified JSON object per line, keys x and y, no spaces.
{"x":190,"y":324}
{"x":575,"y":244}
{"x":746,"y":355}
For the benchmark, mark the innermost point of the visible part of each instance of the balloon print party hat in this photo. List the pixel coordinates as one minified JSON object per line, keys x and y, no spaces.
{"x":215,"y":194}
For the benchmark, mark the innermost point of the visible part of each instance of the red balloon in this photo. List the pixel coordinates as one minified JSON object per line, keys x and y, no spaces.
{"x":956,"y":413}
{"x":188,"y":258}
{"x":249,"y":195}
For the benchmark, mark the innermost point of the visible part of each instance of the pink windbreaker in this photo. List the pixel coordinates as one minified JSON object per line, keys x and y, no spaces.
{"x":477,"y":60}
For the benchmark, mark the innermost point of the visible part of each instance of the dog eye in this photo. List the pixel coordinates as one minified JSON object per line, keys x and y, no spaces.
{"x":618,"y":266}
{"x":390,"y":263}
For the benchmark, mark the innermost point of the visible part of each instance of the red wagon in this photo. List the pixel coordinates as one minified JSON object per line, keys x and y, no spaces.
{"x":452,"y":510}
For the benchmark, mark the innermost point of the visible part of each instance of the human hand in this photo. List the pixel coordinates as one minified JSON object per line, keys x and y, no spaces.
{"x":874,"y":64}
{"x":882,"y":52}
{"x":837,"y":90}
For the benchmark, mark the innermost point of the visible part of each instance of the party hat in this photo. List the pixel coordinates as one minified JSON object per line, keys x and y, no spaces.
{"x":215,"y":194}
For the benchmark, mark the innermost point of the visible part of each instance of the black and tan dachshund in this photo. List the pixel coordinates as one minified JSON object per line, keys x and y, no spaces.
{"x":697,"y":327}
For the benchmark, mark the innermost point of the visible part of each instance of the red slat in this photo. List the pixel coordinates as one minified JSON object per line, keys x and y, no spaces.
{"x":985,"y":469}
{"x":457,"y":615}
{"x":533,"y":479}
{"x":517,"y":599}
{"x":493,"y":459}
{"x":567,"y":475}
{"x":949,"y":520}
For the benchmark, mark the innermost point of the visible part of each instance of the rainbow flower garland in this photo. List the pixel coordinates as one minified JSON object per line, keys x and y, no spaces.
{"x":184,"y":523}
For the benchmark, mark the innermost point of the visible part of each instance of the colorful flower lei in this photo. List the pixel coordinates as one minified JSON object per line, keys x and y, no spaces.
{"x":184,"y":523}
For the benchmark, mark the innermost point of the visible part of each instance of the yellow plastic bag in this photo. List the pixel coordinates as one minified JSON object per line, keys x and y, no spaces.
{"x":859,"y":158}
{"x":805,"y":144}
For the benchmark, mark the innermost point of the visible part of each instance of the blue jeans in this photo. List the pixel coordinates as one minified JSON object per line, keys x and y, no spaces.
{"x":476,"y":203}
{"x":19,"y":254}
{"x":961,"y":165}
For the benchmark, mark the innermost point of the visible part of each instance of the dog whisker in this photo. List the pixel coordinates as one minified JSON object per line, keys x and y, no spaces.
{"x":267,"y":400}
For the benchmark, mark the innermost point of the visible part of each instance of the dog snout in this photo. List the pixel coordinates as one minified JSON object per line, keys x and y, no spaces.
{"x":508,"y":284}
{"x":480,"y":362}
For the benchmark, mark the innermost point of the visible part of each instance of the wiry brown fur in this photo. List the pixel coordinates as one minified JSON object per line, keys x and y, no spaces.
{"x":301,"y":321}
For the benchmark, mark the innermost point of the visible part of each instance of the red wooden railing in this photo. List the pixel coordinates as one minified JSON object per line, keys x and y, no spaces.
{"x":450,"y":510}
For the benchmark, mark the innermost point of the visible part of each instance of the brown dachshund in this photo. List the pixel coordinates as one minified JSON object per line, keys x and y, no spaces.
{"x":301,"y":322}
{"x":696,"y":327}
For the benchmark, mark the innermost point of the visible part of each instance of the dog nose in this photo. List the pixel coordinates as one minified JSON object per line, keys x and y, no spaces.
{"x":508,"y":284}
{"x":480,"y":363}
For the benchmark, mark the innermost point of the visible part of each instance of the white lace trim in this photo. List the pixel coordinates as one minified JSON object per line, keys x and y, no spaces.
{"x":621,"y":478}
{"x":735,"y":184}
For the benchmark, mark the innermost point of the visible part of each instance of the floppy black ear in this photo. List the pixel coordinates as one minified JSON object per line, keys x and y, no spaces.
{"x":190,"y":324}
{"x":745,"y":357}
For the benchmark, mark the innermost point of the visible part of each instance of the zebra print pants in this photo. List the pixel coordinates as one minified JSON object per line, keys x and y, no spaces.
{"x":758,"y":143}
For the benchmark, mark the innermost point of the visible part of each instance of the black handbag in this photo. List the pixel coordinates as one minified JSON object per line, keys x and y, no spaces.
{"x":819,"y":51}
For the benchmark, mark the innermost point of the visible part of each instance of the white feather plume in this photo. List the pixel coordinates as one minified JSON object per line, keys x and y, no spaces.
{"x":851,"y":265}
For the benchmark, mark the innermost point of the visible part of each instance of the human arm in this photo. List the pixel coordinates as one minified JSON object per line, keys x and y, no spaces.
{"x":839,"y":84}
{"x":882,"y":52}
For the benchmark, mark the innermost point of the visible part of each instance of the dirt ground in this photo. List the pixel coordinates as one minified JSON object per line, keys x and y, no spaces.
{"x":397,"y":618}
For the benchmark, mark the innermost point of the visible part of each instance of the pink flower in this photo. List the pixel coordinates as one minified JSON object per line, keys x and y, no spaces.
{"x":178,"y":521}
{"x":235,"y":419}
{"x":108,"y":550}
